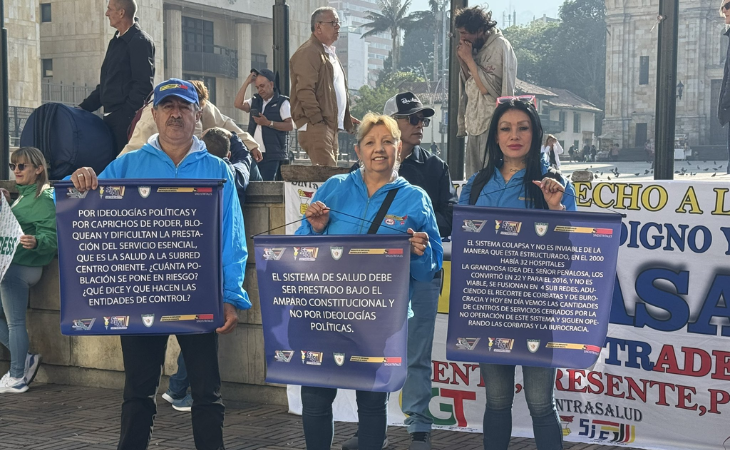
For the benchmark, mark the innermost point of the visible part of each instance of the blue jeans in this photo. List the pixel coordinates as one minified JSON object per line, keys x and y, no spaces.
{"x":13,"y":305}
{"x":319,"y":426}
{"x":179,"y":382}
{"x":538,"y":385}
{"x":417,"y":389}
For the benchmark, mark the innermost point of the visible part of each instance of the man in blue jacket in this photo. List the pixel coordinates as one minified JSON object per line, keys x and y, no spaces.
{"x":176,"y":153}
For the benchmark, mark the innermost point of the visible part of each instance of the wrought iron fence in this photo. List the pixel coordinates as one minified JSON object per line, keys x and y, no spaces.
{"x":69,"y":94}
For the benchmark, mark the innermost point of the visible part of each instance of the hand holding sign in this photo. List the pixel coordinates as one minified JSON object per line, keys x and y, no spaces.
{"x":318,"y":216}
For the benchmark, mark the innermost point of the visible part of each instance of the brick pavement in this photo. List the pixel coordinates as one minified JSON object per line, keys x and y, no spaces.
{"x":57,"y":417}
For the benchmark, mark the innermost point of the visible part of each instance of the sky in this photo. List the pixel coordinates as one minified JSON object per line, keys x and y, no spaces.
{"x":526,"y":10}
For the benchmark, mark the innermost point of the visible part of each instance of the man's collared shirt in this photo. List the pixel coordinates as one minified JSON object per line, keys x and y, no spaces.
{"x":339,"y":85}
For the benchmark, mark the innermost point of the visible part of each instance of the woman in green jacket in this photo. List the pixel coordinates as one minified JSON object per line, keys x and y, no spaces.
{"x":36,"y":214}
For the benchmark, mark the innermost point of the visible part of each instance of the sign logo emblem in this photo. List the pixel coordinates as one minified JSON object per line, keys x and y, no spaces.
{"x":83,"y":324}
{"x":283,"y":355}
{"x":148,"y":319}
{"x":273,"y":253}
{"x":467,"y":343}
{"x":144,"y":191}
{"x":541,"y":228}
{"x":336,"y":252}
{"x":339,"y":358}
{"x":533,"y":345}
{"x":473,"y":226}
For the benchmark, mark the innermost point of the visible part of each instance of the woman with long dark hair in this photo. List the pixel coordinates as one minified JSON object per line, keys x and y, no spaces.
{"x":517,"y":175}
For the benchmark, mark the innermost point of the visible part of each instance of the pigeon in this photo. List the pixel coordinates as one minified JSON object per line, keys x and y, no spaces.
{"x":698,"y":167}
{"x":676,"y":171}
{"x":713,"y":174}
{"x":646,"y":172}
{"x":595,"y":177}
{"x":609,"y":178}
{"x":714,"y":162}
{"x":689,"y":163}
{"x":706,"y":169}
{"x":601,"y":173}
{"x":720,"y":166}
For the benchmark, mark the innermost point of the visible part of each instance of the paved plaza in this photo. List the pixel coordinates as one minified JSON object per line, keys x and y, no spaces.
{"x":57,"y":417}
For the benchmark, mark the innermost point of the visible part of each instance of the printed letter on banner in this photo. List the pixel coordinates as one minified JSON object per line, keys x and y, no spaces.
{"x":531,"y":287}
{"x":140,"y":257}
{"x":335,"y":310}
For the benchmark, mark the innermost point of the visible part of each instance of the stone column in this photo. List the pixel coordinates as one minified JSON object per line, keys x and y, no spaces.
{"x":173,"y":41}
{"x":243,"y":46}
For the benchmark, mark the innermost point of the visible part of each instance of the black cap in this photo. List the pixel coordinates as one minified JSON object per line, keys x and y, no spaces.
{"x":265,"y":72}
{"x":405,"y":104}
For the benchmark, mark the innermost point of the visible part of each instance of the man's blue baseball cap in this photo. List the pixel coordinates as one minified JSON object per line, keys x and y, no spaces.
{"x":179,"y":88}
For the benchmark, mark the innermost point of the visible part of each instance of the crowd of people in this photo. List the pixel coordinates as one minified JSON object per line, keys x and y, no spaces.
{"x":175,"y":131}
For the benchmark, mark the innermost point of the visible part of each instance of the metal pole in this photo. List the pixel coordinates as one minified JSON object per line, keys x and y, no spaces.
{"x":4,"y":107}
{"x":455,"y":153}
{"x":666,"y":90}
{"x":281,"y":44}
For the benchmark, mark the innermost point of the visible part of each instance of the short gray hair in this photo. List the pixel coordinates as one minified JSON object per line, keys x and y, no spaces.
{"x":317,"y":14}
{"x":129,"y":7}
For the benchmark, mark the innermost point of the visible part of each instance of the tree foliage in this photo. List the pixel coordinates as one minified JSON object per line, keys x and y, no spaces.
{"x":392,"y":18}
{"x":570,"y":54}
{"x":373,"y":99}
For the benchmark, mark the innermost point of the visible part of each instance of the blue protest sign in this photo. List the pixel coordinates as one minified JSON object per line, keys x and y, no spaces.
{"x":531,"y":287}
{"x":140,"y":257}
{"x":335,"y":309}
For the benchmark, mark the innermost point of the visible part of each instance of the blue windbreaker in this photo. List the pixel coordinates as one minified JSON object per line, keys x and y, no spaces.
{"x":151,"y":162}
{"x":411,"y":208}
{"x":511,"y":194}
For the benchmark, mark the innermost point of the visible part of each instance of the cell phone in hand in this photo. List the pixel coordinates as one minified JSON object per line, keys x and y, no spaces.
{"x":255,"y":112}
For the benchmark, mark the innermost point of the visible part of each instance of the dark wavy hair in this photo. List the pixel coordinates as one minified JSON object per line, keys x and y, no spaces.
{"x":533,"y":161}
{"x":474,"y":19}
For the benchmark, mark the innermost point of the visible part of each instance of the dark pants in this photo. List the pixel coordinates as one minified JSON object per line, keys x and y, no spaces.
{"x":318,"y":422}
{"x":143,"y":360}
{"x":269,"y":168}
{"x":118,"y":122}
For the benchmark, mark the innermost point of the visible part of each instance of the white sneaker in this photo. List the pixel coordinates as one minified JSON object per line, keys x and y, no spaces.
{"x":12,"y":385}
{"x":32,"y":362}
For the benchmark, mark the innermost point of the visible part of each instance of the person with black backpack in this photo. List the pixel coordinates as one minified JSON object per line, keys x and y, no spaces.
{"x":517,"y":175}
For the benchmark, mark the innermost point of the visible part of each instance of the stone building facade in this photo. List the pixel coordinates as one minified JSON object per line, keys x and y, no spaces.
{"x":631,"y":76}
{"x":63,"y":42}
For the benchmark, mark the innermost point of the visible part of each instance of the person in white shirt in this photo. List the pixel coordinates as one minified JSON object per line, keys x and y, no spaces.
{"x":269,"y":120}
{"x":553,"y":148}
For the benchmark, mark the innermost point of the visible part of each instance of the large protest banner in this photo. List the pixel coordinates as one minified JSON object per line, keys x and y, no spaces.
{"x":334,"y":309}
{"x":140,"y":257}
{"x":531,"y":286}
{"x":661,"y":380}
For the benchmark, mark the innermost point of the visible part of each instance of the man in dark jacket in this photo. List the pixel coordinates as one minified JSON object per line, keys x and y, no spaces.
{"x":429,"y":172}
{"x":723,"y":112}
{"x":269,"y":121}
{"x":126,"y":74}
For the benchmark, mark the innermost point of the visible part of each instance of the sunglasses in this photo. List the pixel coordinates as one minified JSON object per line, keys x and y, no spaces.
{"x":726,"y":6}
{"x":414,"y":119}
{"x":20,"y":166}
{"x":526,"y":99}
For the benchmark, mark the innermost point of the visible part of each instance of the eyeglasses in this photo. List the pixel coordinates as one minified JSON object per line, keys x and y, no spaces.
{"x":526,"y":99}
{"x":20,"y":166}
{"x":334,"y":23}
{"x":415,"y":120}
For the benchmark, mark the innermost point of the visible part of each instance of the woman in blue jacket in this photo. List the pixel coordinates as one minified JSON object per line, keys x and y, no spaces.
{"x":518,"y":176}
{"x":360,"y":194}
